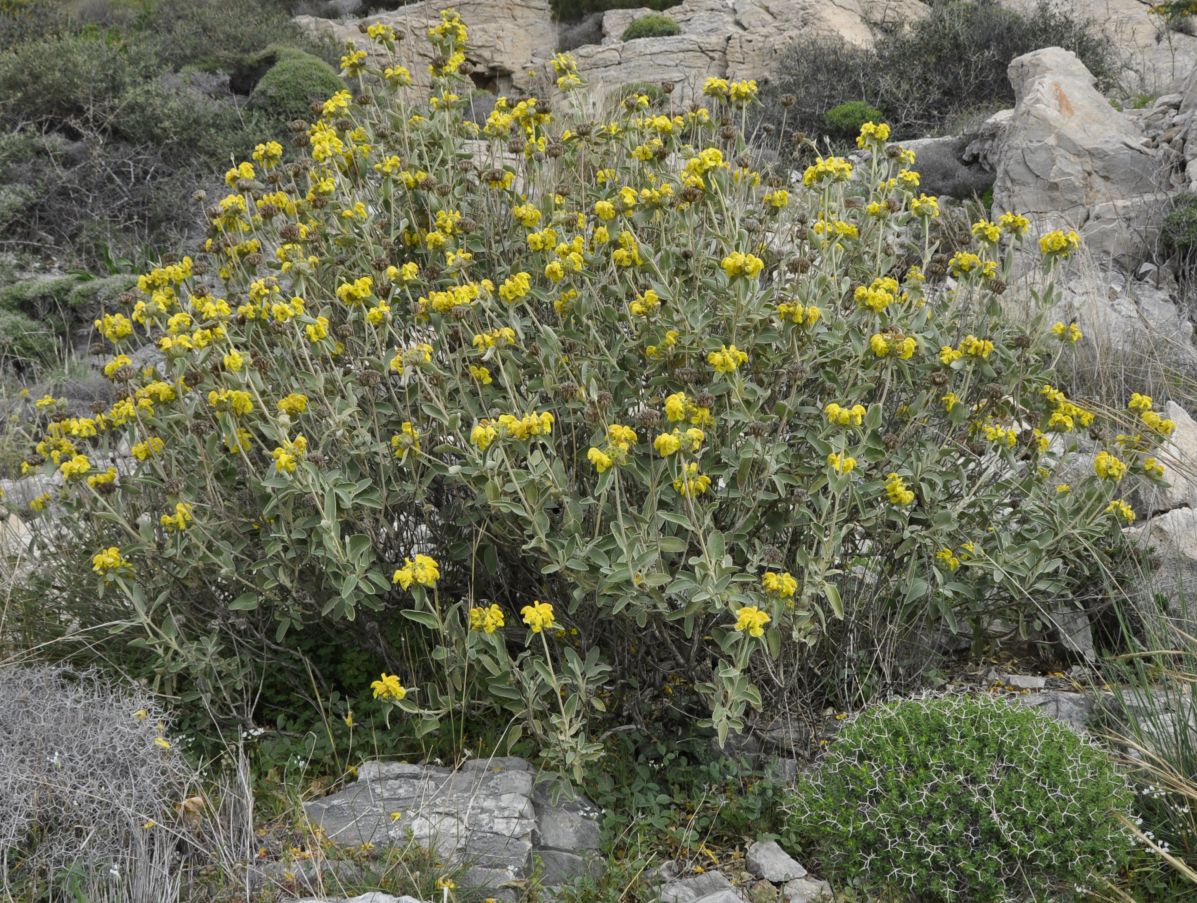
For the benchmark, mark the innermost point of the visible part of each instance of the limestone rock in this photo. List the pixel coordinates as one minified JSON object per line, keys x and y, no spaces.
{"x":1073,"y":710}
{"x":1069,"y":158}
{"x":507,"y":37}
{"x":486,"y":814}
{"x":735,"y":39}
{"x":769,"y":861}
{"x":1155,"y":59}
{"x":1125,"y":314}
{"x":696,"y":887}
{"x":807,"y":890}
{"x":944,"y":170}
{"x":1173,"y":538}
{"x":370,"y":897}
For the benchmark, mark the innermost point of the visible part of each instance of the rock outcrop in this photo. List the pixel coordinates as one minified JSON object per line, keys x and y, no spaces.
{"x":1069,"y":160}
{"x":490,"y":815}
{"x":736,"y":39}
{"x":508,"y":38}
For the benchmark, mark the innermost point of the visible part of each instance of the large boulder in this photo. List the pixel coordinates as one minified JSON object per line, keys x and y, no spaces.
{"x":1070,"y":160}
{"x":1171,"y":537}
{"x":507,"y":38}
{"x":944,"y":166}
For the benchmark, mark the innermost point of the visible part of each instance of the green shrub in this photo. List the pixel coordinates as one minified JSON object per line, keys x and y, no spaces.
{"x":1179,"y":232}
{"x":928,"y":73}
{"x":652,"y":26}
{"x":844,"y":121}
{"x":24,"y":342}
{"x":964,"y":798}
{"x":290,"y":86}
{"x":682,"y":425}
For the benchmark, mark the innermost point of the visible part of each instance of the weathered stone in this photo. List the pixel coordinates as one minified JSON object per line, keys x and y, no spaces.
{"x":807,"y":890}
{"x":482,"y":815}
{"x":1172,"y":537}
{"x":736,"y":39}
{"x":769,"y":861}
{"x":1068,"y":157}
{"x":1024,"y":681}
{"x":558,"y":867}
{"x":506,"y":37}
{"x":1155,"y":59}
{"x":1125,"y":314}
{"x":373,"y":896}
{"x":1071,"y":709}
{"x":943,"y":169}
{"x":722,"y":896}
{"x":696,"y":887}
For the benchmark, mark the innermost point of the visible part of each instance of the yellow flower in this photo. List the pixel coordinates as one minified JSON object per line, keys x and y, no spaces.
{"x":691,"y":482}
{"x":1014,"y":224}
{"x":515,"y":287}
{"x":109,"y":560}
{"x":388,"y":688}
{"x":780,"y":584}
{"x":424,"y":570}
{"x":286,"y":456}
{"x":727,"y":359}
{"x":925,"y":206}
{"x":538,"y":616}
{"x":644,"y":304}
{"x":74,"y":467}
{"x":987,"y":231}
{"x":1070,"y":333}
{"x":482,"y":374}
{"x":1122,"y":510}
{"x":1139,"y":403}
{"x":841,"y":416}
{"x":877,"y":296}
{"x":1108,"y":467}
{"x":841,"y":464}
{"x":827,"y":169}
{"x":622,"y":437}
{"x":777,"y":199}
{"x":180,"y":520}
{"x":1059,"y":244}
{"x":896,"y":490}
{"x":751,"y":620}
{"x":148,"y":448}
{"x":482,"y":435}
{"x":487,"y":619}
{"x":740,"y":264}
{"x":949,"y":559}
{"x":602,"y":462}
{"x":406,"y":441}
{"x":293,"y":404}
{"x":667,"y":444}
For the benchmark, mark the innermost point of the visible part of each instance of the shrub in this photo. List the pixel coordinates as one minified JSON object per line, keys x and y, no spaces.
{"x":845,"y":121}
{"x":653,"y":26}
{"x":1178,"y":234}
{"x":964,"y":798}
{"x":676,"y":420}
{"x":924,"y":75}
{"x":24,"y":342}
{"x":86,"y":775}
{"x":290,"y":86}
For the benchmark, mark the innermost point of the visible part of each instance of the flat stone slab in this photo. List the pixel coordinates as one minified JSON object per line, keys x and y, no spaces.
{"x":807,"y":890}
{"x":490,"y":815}
{"x":697,"y":887}
{"x":769,"y":861}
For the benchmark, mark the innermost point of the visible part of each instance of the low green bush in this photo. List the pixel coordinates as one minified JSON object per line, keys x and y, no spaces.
{"x":289,"y":87}
{"x":964,"y":798}
{"x":652,"y":26}
{"x":25,"y":343}
{"x":845,"y":120}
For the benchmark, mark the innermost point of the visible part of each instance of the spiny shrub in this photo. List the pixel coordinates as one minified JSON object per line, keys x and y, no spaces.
{"x":86,"y":775}
{"x":600,"y":378}
{"x":964,"y":798}
{"x":653,"y":26}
